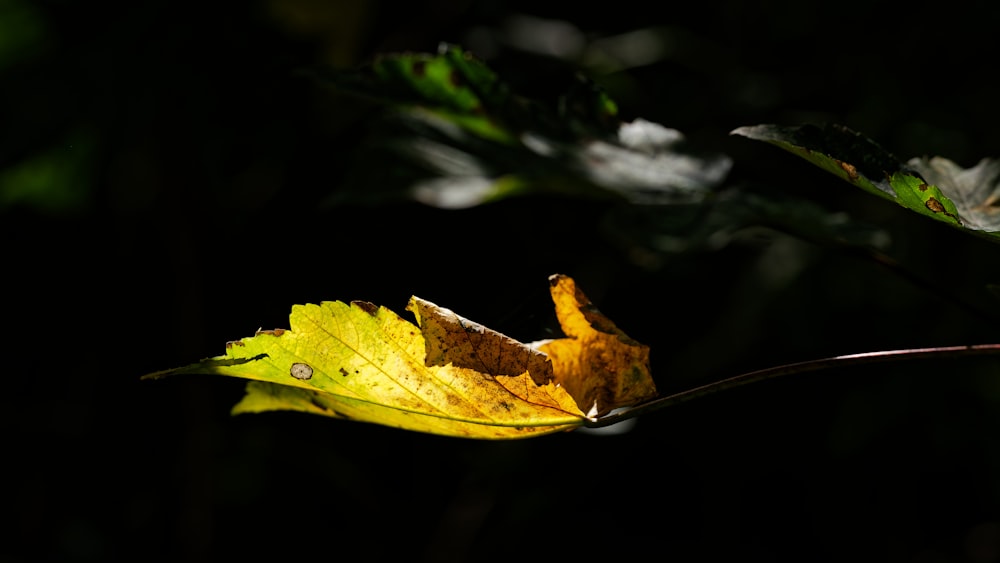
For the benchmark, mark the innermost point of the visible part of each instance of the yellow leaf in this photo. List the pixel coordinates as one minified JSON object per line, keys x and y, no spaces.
{"x":448,"y":376}
{"x":601,"y":366}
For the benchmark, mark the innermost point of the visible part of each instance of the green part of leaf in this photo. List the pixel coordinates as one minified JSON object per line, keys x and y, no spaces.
{"x":975,"y":191}
{"x":916,"y":194}
{"x":588,"y":109}
{"x":451,"y":84}
{"x":938,"y":188}
{"x":836,"y":149}
{"x":433,"y":79}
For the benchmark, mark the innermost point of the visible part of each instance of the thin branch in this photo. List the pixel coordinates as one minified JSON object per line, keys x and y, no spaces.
{"x":792,"y":369}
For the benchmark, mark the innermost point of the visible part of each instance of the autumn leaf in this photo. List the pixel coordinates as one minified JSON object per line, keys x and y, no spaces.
{"x":938,"y":188}
{"x":600,"y":366}
{"x":445,"y":375}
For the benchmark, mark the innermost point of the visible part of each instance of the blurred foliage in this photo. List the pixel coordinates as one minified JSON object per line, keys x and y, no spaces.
{"x":22,"y":33}
{"x":477,"y":141}
{"x":56,"y":181}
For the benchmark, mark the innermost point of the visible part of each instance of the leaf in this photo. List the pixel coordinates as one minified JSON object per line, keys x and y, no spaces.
{"x":458,"y":88}
{"x":600,"y":366}
{"x":465,"y":139}
{"x":968,"y":199}
{"x":975,"y":191}
{"x":447,"y":376}
{"x":838,"y":150}
{"x":451,"y":85}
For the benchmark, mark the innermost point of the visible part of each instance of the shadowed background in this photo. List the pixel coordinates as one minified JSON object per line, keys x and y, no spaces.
{"x":163,"y":173}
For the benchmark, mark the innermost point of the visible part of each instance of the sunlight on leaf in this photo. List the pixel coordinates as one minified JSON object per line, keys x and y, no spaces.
{"x":464,"y":139}
{"x":975,"y":191}
{"x":601,"y":367}
{"x":936,"y":187}
{"x":446,"y":375}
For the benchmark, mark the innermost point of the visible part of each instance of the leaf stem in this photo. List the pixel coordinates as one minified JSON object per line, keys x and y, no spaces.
{"x":794,"y":368}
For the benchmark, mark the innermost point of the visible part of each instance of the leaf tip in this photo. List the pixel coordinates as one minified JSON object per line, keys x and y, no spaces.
{"x":365,"y":306}
{"x":554,"y":279}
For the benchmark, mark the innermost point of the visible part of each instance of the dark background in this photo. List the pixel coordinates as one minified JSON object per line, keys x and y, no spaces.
{"x":162,"y":173}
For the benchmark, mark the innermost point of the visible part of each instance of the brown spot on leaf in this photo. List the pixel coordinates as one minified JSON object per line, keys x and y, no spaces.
{"x":365,"y":306}
{"x":420,"y":69}
{"x":455,"y":78}
{"x":923,"y":187}
{"x":850,"y":170}
{"x":343,"y":372}
{"x":232,"y":343}
{"x":275,"y":332}
{"x":937,"y":207}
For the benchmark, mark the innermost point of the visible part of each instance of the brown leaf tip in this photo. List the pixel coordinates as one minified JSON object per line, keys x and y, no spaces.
{"x":365,"y":306}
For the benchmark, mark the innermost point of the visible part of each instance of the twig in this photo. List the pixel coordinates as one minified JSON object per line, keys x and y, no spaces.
{"x":791,"y":369}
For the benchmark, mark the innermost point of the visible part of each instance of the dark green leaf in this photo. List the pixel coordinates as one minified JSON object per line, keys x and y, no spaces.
{"x":975,"y":192}
{"x":935,"y":187}
{"x":458,"y":137}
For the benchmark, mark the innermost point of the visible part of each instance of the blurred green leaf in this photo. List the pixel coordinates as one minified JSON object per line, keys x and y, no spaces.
{"x":22,"y":31}
{"x":457,"y":136}
{"x":55,"y":181}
